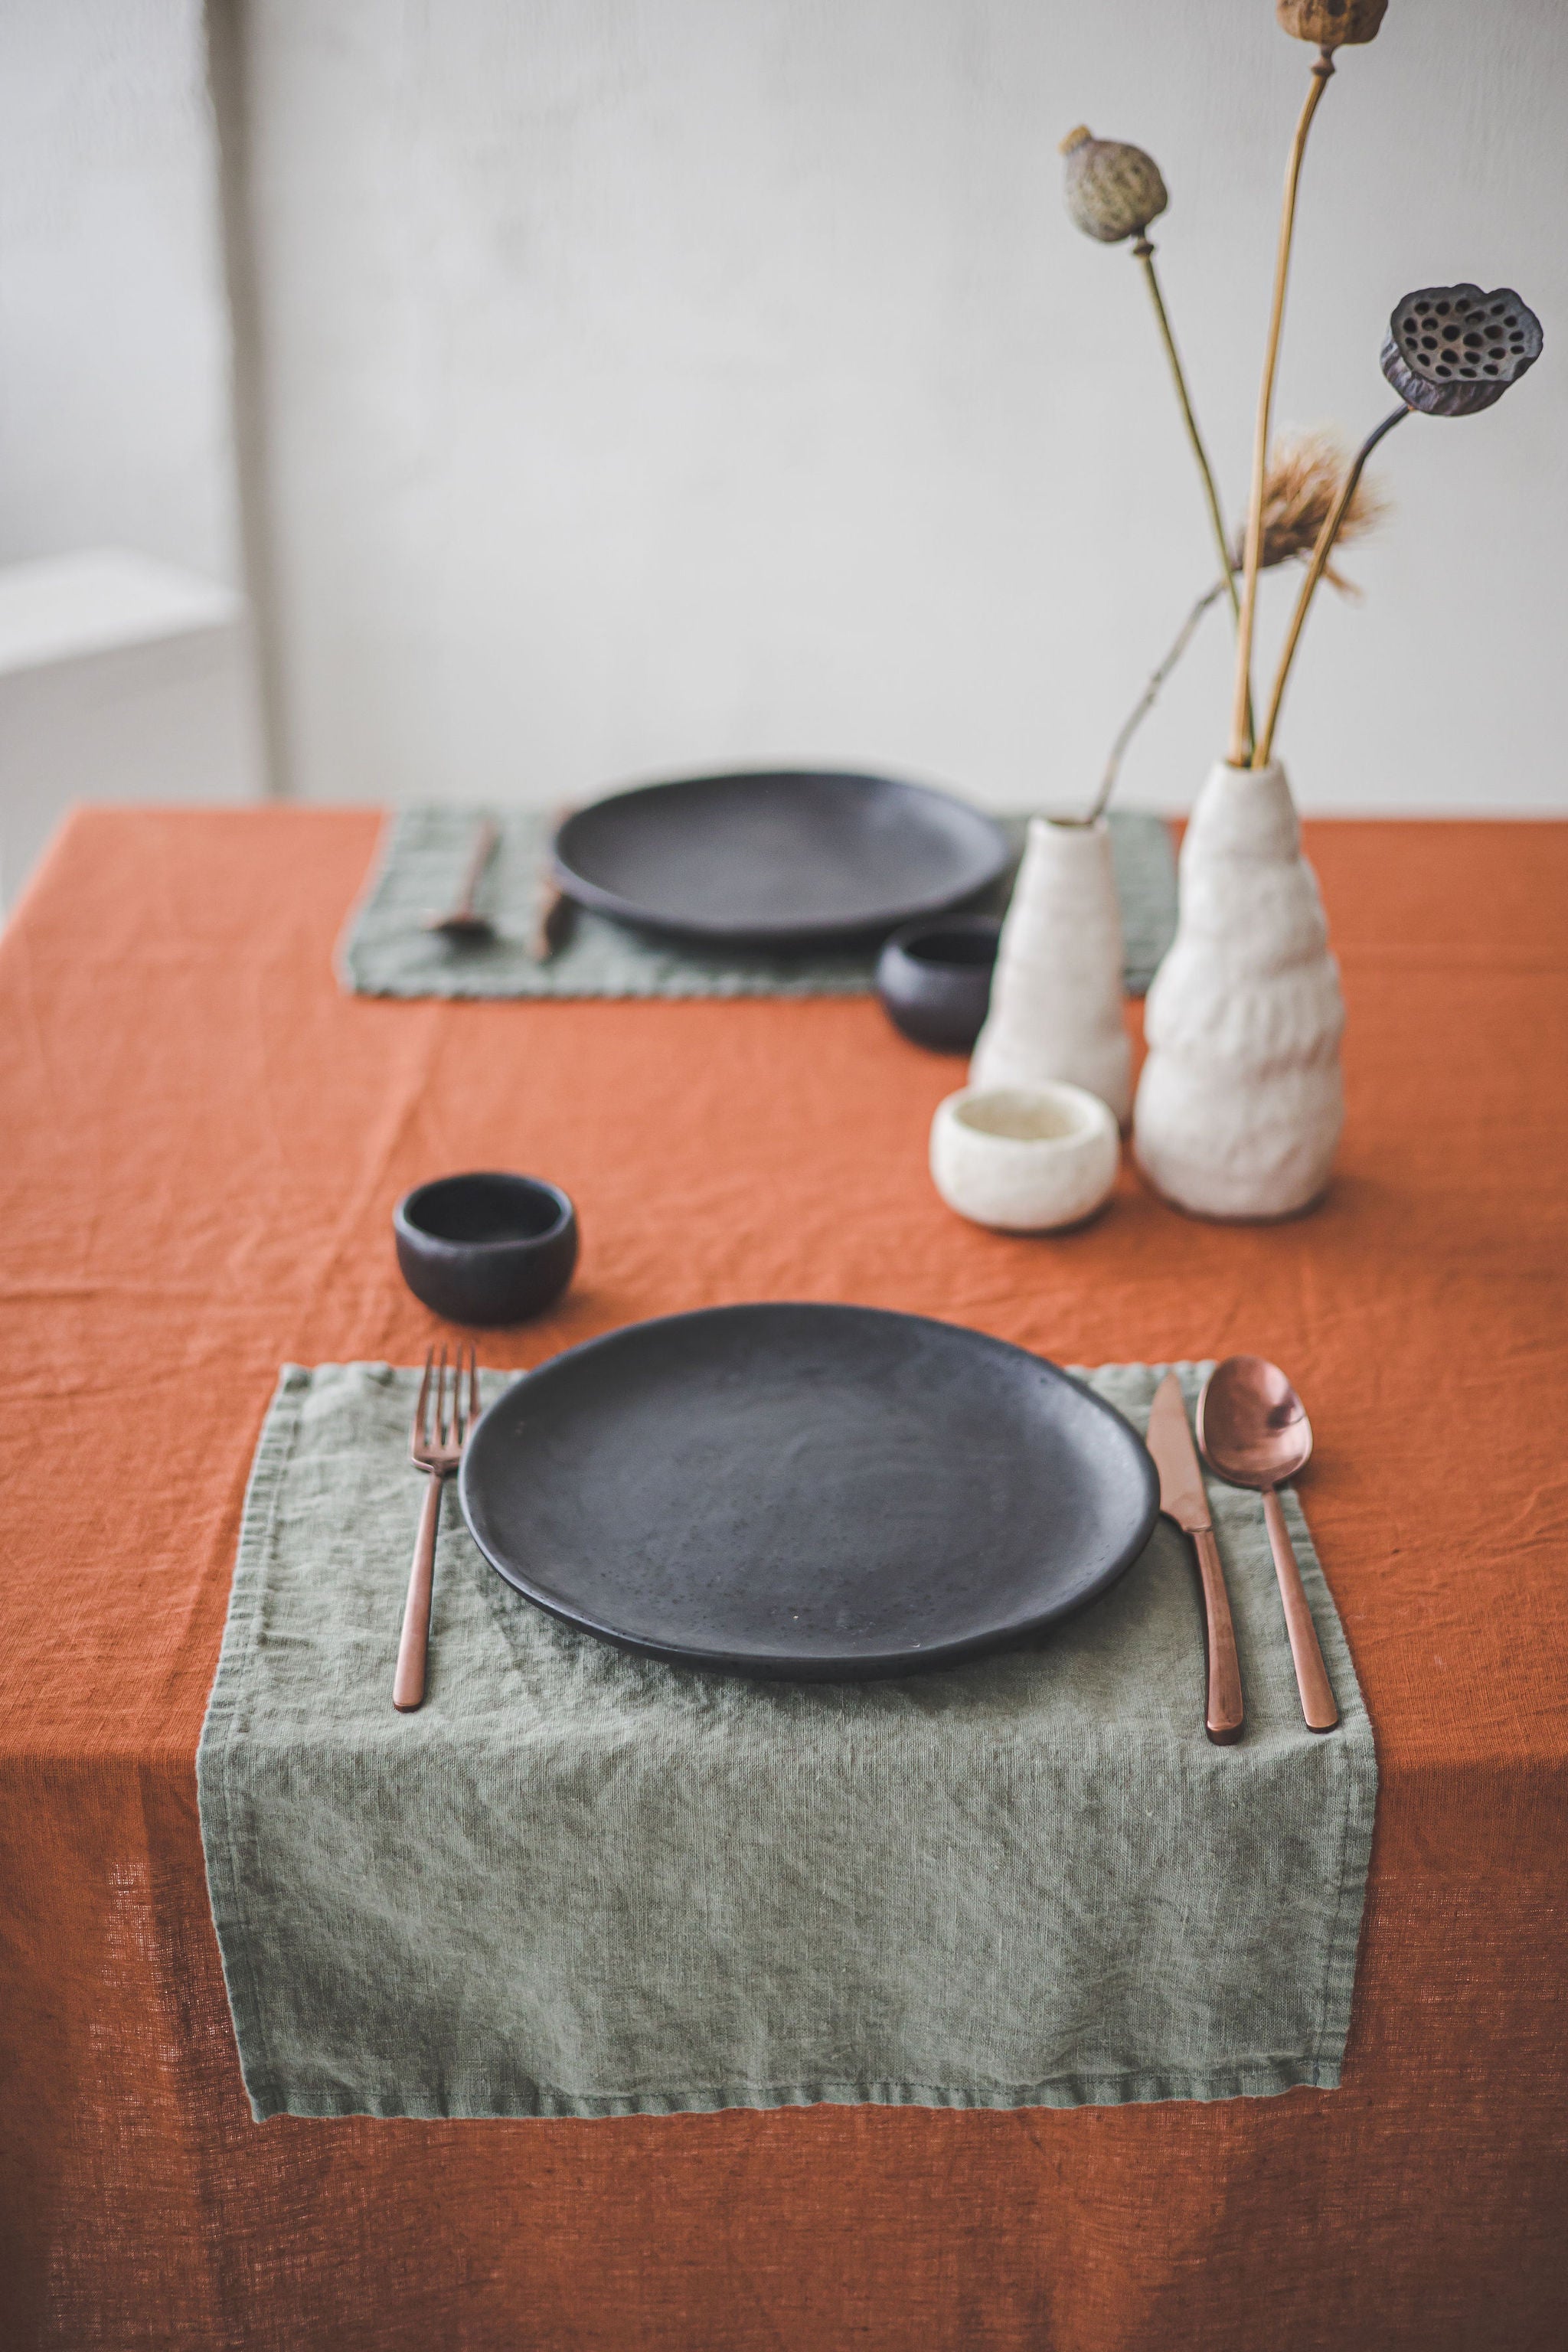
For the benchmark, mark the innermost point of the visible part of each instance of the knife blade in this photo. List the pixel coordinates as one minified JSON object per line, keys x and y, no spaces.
{"x":1183,"y":1498}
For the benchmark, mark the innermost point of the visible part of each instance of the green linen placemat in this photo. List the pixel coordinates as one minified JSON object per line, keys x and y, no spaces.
{"x":387,"y":951}
{"x":579,"y":1883}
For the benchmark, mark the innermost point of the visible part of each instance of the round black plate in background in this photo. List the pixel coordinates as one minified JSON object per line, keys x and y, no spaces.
{"x":816,"y":1492}
{"x":777,"y":859}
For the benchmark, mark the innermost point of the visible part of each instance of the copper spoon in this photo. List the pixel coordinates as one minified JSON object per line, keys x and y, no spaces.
{"x":462,"y":920}
{"x":1254,"y":1431}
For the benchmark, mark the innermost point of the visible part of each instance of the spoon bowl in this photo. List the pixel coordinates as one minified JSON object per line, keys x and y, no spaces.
{"x":1251,"y":1424}
{"x":1253,"y":1431}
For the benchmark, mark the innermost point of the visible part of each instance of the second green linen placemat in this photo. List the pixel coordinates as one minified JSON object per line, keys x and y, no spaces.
{"x":387,"y":951}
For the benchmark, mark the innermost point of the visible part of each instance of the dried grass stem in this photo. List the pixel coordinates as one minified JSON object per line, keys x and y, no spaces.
{"x":1146,"y":700}
{"x":1323,"y":67}
{"x":1145,"y":252}
{"x":1333,"y":522}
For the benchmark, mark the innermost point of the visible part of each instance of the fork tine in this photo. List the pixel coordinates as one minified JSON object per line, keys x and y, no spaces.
{"x":473,"y":1386}
{"x":420,"y":1437}
{"x":441,"y":1398}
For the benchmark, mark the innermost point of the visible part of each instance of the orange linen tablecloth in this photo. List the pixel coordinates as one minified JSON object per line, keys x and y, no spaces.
{"x":202,"y":1139}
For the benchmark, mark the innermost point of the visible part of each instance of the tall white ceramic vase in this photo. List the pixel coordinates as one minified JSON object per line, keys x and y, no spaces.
{"x":1240,"y":1103}
{"x":1056,"y":999}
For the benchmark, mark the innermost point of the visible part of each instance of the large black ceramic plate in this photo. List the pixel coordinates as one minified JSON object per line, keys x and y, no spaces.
{"x":777,"y":859}
{"x":818,"y":1492}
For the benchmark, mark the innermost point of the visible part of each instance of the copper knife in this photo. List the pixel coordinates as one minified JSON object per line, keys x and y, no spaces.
{"x":553,"y":912}
{"x":1183,"y":1498}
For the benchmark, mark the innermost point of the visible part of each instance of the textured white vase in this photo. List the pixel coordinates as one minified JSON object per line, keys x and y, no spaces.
{"x":1240,"y":1103}
{"x":1056,"y":999}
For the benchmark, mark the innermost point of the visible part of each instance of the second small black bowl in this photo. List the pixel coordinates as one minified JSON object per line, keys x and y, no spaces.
{"x":934,"y":980}
{"x":487,"y":1248}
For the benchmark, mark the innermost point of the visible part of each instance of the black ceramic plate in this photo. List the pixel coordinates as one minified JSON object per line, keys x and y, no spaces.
{"x":817,"y":1492}
{"x":777,"y":859}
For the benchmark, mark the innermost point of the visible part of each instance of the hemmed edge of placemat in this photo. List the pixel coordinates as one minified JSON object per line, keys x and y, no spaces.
{"x":1260,"y":2079}
{"x":343,"y":972}
{"x":728,"y":987}
{"x":274,"y":1449}
{"x":1358,"y":1794}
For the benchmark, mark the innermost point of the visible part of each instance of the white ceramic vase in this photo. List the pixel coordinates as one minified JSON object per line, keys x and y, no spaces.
{"x":1056,"y":999}
{"x":1240,"y":1103}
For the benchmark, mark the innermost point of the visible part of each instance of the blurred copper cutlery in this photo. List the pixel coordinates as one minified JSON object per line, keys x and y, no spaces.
{"x":442,"y":1421}
{"x":1182,"y":1498}
{"x":552,"y":922}
{"x":1254,"y":1431}
{"x":553,"y":911}
{"x":462,"y":919}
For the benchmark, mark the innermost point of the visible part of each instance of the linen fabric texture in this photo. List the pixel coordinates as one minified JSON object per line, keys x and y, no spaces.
{"x":582,"y":1883}
{"x":387,"y":951}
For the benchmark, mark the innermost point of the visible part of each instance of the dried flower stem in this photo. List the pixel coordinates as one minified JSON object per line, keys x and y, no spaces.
{"x":1146,"y":700}
{"x":1145,"y":252}
{"x":1315,"y":571}
{"x":1322,"y":67}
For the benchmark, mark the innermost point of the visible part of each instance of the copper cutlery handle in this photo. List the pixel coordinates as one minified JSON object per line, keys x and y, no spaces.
{"x":1311,"y":1675}
{"x":553,"y":911}
{"x":461,"y":920}
{"x":1223,"y":1714}
{"x":486,"y":842}
{"x":551,"y":921}
{"x":408,"y":1683}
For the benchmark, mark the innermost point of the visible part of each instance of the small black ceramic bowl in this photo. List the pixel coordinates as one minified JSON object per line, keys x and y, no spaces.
{"x":934,"y":979}
{"x":486,"y":1248}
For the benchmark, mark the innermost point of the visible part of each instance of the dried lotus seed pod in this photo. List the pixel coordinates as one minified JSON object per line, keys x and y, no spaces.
{"x":1452,"y":349}
{"x":1331,"y":24}
{"x":1112,"y":190}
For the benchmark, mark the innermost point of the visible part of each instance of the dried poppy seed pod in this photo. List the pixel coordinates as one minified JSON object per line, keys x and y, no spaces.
{"x":1452,"y":349}
{"x":1331,"y":24}
{"x":1112,"y":190}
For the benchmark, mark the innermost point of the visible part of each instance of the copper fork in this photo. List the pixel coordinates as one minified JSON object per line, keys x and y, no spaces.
{"x":441,"y":1424}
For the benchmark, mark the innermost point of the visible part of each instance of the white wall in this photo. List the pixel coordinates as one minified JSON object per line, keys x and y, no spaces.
{"x":664,"y":382}
{"x":127,"y":664}
{"x":113,"y":337}
{"x":120,"y":679}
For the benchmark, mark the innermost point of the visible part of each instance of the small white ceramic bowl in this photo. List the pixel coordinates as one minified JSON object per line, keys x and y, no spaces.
{"x":1024,"y":1158}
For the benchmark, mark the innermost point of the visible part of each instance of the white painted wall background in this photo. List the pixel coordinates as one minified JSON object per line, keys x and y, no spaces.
{"x":114,"y":411}
{"x":668,"y":382}
{"x":663,"y":382}
{"x":127,"y":668}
